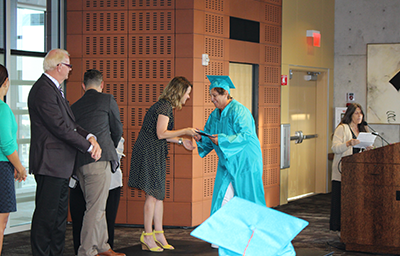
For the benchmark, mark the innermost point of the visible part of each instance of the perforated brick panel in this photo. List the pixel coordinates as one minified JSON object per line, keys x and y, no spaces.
{"x":272,"y":54}
{"x":151,"y":22}
{"x":271,"y":156}
{"x":269,"y":115}
{"x":123,"y":114}
{"x":118,"y":90}
{"x":169,"y":190}
{"x":151,"y":69}
{"x":214,"y":47}
{"x":207,"y":97}
{"x":170,"y":165}
{"x":152,"y":45}
{"x":278,"y":2}
{"x":269,"y":95}
{"x":270,"y":75}
{"x":150,"y":4}
{"x":105,"y":23}
{"x":105,"y":46}
{"x":208,"y":186}
{"x":104,"y":4}
{"x":214,"y":24}
{"x":215,"y":5}
{"x":136,"y":194}
{"x":112,"y":68}
{"x":273,"y":34}
{"x":136,"y":116}
{"x":271,"y":176}
{"x":273,"y":14}
{"x":215,"y":68}
{"x":144,"y":93}
{"x":271,"y":135}
{"x":210,"y":163}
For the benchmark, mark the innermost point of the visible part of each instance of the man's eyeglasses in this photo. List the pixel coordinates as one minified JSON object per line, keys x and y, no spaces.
{"x":66,"y":64}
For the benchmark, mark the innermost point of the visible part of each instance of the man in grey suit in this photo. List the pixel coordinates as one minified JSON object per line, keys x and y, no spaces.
{"x":55,"y":140}
{"x":98,"y":113}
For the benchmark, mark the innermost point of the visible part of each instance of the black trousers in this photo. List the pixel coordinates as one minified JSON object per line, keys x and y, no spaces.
{"x":50,"y":216}
{"x":77,"y":209}
{"x":334,"y":222}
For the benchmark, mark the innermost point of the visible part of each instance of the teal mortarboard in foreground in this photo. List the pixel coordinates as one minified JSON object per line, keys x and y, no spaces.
{"x":223,"y":82}
{"x":242,"y":227}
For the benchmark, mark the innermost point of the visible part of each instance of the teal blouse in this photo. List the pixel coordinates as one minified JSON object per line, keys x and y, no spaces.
{"x":8,"y":132}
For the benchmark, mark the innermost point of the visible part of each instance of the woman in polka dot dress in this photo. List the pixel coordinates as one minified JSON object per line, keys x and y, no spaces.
{"x":148,"y":162}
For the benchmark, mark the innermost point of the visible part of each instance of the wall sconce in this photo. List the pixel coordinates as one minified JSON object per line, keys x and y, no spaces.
{"x":205,"y":59}
{"x":314,"y":38}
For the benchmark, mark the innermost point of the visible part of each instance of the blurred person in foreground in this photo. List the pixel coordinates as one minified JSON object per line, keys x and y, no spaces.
{"x":149,"y":154}
{"x":10,"y":166}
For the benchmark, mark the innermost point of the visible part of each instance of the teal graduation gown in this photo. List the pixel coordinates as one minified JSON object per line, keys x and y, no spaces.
{"x":239,"y":152}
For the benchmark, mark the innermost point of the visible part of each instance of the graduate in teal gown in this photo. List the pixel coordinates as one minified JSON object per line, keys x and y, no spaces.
{"x":236,"y":144}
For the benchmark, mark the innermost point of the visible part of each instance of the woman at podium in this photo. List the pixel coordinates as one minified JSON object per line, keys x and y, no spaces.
{"x":344,"y":138}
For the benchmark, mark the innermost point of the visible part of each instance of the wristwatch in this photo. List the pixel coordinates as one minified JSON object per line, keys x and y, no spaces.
{"x":180,"y":141}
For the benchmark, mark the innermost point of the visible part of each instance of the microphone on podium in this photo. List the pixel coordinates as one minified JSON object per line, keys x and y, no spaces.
{"x":375,"y":132}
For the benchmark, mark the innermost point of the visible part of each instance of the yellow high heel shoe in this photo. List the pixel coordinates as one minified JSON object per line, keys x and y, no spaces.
{"x":165,"y":247}
{"x":145,"y":247}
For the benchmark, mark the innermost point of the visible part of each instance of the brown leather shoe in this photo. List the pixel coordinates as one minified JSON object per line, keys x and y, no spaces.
{"x":110,"y":253}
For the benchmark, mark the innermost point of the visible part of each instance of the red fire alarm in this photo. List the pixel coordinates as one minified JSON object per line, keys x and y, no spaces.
{"x":283,"y":79}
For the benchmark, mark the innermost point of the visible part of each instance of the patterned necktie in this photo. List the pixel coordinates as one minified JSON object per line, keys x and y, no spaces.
{"x":61,"y":91}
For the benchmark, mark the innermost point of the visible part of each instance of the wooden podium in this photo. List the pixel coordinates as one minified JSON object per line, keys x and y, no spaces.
{"x":370,"y":220}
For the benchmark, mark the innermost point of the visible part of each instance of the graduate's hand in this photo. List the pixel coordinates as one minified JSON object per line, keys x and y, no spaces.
{"x":215,"y":139}
{"x":197,"y":137}
{"x":188,"y":144}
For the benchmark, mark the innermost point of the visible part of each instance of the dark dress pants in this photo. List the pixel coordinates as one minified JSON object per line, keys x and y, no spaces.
{"x":77,"y":209}
{"x":334,"y":223}
{"x":50,"y":216}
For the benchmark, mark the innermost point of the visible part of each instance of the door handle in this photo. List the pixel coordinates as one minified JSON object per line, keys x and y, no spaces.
{"x":299,"y":137}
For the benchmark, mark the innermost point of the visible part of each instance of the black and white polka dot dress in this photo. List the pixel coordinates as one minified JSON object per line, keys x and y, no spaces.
{"x":148,"y":162}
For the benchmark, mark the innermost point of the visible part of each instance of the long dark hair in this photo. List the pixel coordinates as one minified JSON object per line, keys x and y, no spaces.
{"x":3,"y":74}
{"x":349,"y":113}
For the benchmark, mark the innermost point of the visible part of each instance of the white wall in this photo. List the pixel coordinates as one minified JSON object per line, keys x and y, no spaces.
{"x":358,"y":23}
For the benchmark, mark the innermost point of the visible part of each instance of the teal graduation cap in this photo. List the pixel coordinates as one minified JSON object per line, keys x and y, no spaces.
{"x":242,"y":227}
{"x":223,"y":82}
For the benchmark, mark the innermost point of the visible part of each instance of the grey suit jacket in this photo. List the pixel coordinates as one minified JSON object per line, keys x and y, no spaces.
{"x":55,"y":137}
{"x":98,"y":113}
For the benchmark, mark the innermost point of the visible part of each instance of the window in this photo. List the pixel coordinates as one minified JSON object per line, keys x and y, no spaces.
{"x":22,"y":51}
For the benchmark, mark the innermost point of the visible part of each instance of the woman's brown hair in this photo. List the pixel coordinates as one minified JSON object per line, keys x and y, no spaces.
{"x":175,"y":90}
